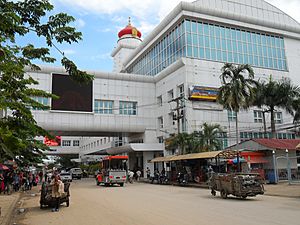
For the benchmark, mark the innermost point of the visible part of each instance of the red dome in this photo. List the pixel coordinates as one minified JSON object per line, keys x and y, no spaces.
{"x":130,"y":30}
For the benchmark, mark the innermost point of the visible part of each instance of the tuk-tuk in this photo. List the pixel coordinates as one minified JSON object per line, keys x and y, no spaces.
{"x":114,"y":171}
{"x":241,"y":185}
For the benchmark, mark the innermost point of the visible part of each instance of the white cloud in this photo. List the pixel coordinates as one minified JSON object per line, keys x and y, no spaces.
{"x":80,"y":23}
{"x":148,"y":13}
{"x":101,"y":56}
{"x":69,"y":51}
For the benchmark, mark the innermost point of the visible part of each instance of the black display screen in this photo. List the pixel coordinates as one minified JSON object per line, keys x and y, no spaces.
{"x":73,"y":96}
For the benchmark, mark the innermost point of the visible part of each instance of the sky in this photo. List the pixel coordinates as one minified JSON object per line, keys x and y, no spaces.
{"x":101,"y":20}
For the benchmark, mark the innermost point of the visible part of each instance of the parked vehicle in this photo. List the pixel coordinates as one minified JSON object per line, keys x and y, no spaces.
{"x":113,"y":171}
{"x":65,"y":176}
{"x":76,"y":173}
{"x":182,"y":178}
{"x":46,"y":195}
{"x":241,"y":185}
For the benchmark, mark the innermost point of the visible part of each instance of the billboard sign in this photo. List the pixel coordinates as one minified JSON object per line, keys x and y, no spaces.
{"x":73,"y":96}
{"x":203,"y":93}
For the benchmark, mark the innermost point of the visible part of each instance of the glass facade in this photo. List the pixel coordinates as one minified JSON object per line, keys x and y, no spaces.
{"x":128,"y":108}
{"x":249,"y":135}
{"x":166,"y":51}
{"x":210,"y":41}
{"x":103,"y":106}
{"x":228,"y":44}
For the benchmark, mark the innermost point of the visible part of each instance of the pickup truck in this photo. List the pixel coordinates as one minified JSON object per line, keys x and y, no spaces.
{"x":76,"y":173}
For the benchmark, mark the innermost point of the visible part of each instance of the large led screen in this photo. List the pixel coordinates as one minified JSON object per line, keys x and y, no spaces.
{"x":73,"y":96}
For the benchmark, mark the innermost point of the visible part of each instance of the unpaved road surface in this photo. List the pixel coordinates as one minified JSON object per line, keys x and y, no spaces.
{"x":146,"y":204}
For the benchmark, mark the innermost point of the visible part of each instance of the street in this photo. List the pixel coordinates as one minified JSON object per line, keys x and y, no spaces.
{"x":146,"y":204}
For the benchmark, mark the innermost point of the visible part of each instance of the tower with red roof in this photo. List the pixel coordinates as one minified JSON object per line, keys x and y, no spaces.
{"x":129,"y":39}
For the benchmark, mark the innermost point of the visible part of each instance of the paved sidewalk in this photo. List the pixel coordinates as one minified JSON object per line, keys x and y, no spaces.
{"x":7,"y":205}
{"x":283,"y":190}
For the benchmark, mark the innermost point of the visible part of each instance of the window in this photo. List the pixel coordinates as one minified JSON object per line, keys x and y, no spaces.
{"x":231,"y":115}
{"x":75,"y":142}
{"x":66,"y":143}
{"x":278,"y":117}
{"x":160,"y":139}
{"x":128,"y":108}
{"x":159,"y":100}
{"x":41,"y":100}
{"x":181,"y":90}
{"x":160,"y":122}
{"x":170,"y":95}
{"x":258,"y":116}
{"x":103,"y":107}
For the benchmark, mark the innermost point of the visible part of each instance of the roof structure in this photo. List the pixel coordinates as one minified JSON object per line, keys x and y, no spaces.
{"x":268,"y":144}
{"x":280,"y":144}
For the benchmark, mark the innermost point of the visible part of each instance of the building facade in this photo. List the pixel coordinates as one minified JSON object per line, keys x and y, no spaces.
{"x":181,"y":57}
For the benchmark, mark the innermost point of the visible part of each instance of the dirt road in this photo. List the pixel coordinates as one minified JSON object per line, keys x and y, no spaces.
{"x":146,"y":204}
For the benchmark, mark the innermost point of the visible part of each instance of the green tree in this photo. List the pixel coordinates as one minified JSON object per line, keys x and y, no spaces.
{"x":277,"y":94}
{"x":18,"y":128}
{"x":181,"y":142}
{"x":209,"y":137}
{"x":237,"y":91}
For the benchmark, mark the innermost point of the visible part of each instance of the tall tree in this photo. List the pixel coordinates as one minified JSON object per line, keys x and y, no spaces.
{"x":209,"y":137}
{"x":20,"y":19}
{"x":237,"y":91}
{"x":277,"y":94}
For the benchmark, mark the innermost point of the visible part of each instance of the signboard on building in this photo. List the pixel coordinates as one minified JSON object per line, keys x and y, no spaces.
{"x":73,"y":96}
{"x":203,"y":93}
{"x":52,"y":142}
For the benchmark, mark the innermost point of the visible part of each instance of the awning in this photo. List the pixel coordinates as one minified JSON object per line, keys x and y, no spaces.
{"x":257,"y":160}
{"x":162,"y":159}
{"x":202,"y":155}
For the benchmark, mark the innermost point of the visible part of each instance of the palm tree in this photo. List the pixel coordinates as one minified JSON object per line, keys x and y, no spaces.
{"x":209,"y":137}
{"x":204,"y":140}
{"x":236,"y":92}
{"x":180,"y":141}
{"x":277,"y":94}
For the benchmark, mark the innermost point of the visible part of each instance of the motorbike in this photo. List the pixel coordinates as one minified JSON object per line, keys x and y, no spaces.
{"x":182,"y":179}
{"x":163,"y":179}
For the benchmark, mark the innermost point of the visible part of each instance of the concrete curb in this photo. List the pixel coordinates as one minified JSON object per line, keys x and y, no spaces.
{"x":8,"y":217}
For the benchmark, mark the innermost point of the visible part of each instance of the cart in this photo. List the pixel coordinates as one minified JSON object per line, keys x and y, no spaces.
{"x":46,"y":195}
{"x":241,"y":185}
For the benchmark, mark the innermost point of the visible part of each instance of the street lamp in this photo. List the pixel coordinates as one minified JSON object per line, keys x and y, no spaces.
{"x":288,"y":166}
{"x":274,"y":168}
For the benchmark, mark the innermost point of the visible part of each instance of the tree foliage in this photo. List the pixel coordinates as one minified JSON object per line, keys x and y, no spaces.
{"x":238,"y":89}
{"x":207,"y":139}
{"x":18,"y":128}
{"x":278,"y":94}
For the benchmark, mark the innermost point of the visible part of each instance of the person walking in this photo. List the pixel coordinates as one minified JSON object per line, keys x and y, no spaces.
{"x":57,"y":191}
{"x":148,"y":173}
{"x":138,"y":175}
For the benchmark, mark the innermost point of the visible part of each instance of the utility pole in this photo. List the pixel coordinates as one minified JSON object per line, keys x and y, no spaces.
{"x":178,"y":115}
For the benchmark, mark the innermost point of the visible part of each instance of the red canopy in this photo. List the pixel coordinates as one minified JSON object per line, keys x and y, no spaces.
{"x":3,"y":167}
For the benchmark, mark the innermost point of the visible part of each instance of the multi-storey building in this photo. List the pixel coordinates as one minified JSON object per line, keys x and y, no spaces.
{"x":182,"y":56}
